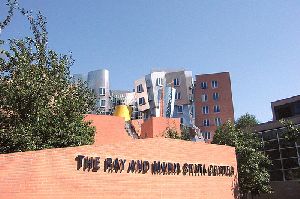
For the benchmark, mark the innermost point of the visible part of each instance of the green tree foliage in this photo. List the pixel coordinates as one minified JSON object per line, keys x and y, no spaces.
{"x":291,"y":132}
{"x":252,"y":164}
{"x":39,"y":105}
{"x":172,"y":133}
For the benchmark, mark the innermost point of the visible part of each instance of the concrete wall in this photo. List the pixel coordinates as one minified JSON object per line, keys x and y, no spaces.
{"x":52,"y":173}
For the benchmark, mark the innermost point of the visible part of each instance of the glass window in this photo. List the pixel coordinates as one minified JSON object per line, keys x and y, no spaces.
{"x":274,"y":154}
{"x":203,"y":85}
{"x":269,"y":135}
{"x":179,"y":109}
{"x":139,"y":88}
{"x":159,"y":82}
{"x":177,"y":95}
{"x":176,"y":82}
{"x":216,"y":108}
{"x":102,"y":103}
{"x":206,"y":135}
{"x":141,"y":101}
{"x":206,"y":122}
{"x":101,"y":91}
{"x":204,"y":98}
{"x":285,"y":143}
{"x":205,"y":110}
{"x":181,"y":120}
{"x":276,"y":175}
{"x":292,"y":174}
{"x":216,"y":96}
{"x":272,"y":144}
{"x":218,"y":121}
{"x":288,"y":152}
{"x":214,"y":84}
{"x":290,"y":163}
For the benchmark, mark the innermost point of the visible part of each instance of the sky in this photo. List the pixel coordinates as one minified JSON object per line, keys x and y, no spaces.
{"x":257,"y":41}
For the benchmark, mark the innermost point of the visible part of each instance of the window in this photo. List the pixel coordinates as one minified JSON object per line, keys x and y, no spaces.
{"x":142,"y":101}
{"x":101,"y":91}
{"x":181,"y":120}
{"x":102,"y":103}
{"x":206,"y":122}
{"x":176,"y":82}
{"x":204,"y":98}
{"x":177,"y":95}
{"x":205,"y":110}
{"x":216,"y":108}
{"x":140,"y":115}
{"x":218,"y":121}
{"x":159,"y":82}
{"x":179,"y":109}
{"x":139,"y":88}
{"x":216,"y":96}
{"x":206,"y":135}
{"x":214,"y":84}
{"x":203,"y":85}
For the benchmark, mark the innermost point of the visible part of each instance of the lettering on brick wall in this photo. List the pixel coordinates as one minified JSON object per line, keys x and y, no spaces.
{"x":110,"y":165}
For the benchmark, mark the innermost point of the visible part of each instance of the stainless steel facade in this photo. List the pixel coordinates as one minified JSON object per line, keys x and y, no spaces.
{"x":98,"y":82}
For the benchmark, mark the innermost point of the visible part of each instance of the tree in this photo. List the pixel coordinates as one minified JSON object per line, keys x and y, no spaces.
{"x":291,"y":131}
{"x":251,"y":162}
{"x":40,"y":107}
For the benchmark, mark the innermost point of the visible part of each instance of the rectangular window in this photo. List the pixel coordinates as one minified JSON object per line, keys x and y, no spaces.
{"x":179,"y":109}
{"x":214,"y":84}
{"x":206,"y":122}
{"x":216,"y":96}
{"x":177,"y":95}
{"x":102,"y":103}
{"x":141,"y":101}
{"x":203,"y":85}
{"x":159,"y":82}
{"x":181,"y":120}
{"x":205,"y":110}
{"x":204,"y":98}
{"x":139,"y":88}
{"x":206,"y":135}
{"x":101,"y":91}
{"x":216,"y":108}
{"x":218,"y":121}
{"x":176,"y":82}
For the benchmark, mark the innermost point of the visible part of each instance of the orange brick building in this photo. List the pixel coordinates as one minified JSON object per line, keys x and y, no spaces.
{"x":117,"y":166}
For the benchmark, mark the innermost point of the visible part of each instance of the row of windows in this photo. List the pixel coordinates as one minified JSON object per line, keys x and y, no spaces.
{"x":205,"y":109}
{"x":215,"y":96}
{"x":159,"y":82}
{"x":101,"y":91}
{"x":206,"y":122}
{"x":214,"y":84}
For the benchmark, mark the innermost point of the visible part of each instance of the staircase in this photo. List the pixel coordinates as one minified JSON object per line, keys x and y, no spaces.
{"x":130,"y":130}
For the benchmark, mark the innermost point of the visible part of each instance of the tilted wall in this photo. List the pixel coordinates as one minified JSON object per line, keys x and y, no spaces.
{"x":53,"y":173}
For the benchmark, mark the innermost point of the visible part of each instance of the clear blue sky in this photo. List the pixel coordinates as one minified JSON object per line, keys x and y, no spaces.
{"x":257,"y":41}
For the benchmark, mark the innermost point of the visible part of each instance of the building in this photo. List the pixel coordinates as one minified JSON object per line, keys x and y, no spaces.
{"x":98,"y":82}
{"x":122,"y":97}
{"x":213,"y":102}
{"x":285,"y":155}
{"x":169,"y":94}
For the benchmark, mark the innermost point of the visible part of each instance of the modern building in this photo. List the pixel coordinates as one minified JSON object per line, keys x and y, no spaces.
{"x":98,"y":82}
{"x":122,"y":97}
{"x":284,"y":154}
{"x":213,"y":102}
{"x":168,"y":94}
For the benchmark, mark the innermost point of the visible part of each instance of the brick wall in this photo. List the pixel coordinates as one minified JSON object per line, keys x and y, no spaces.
{"x":157,"y":126}
{"x":109,"y":129}
{"x":53,"y":173}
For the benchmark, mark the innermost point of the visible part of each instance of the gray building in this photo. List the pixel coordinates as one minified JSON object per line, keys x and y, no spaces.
{"x":98,"y":82}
